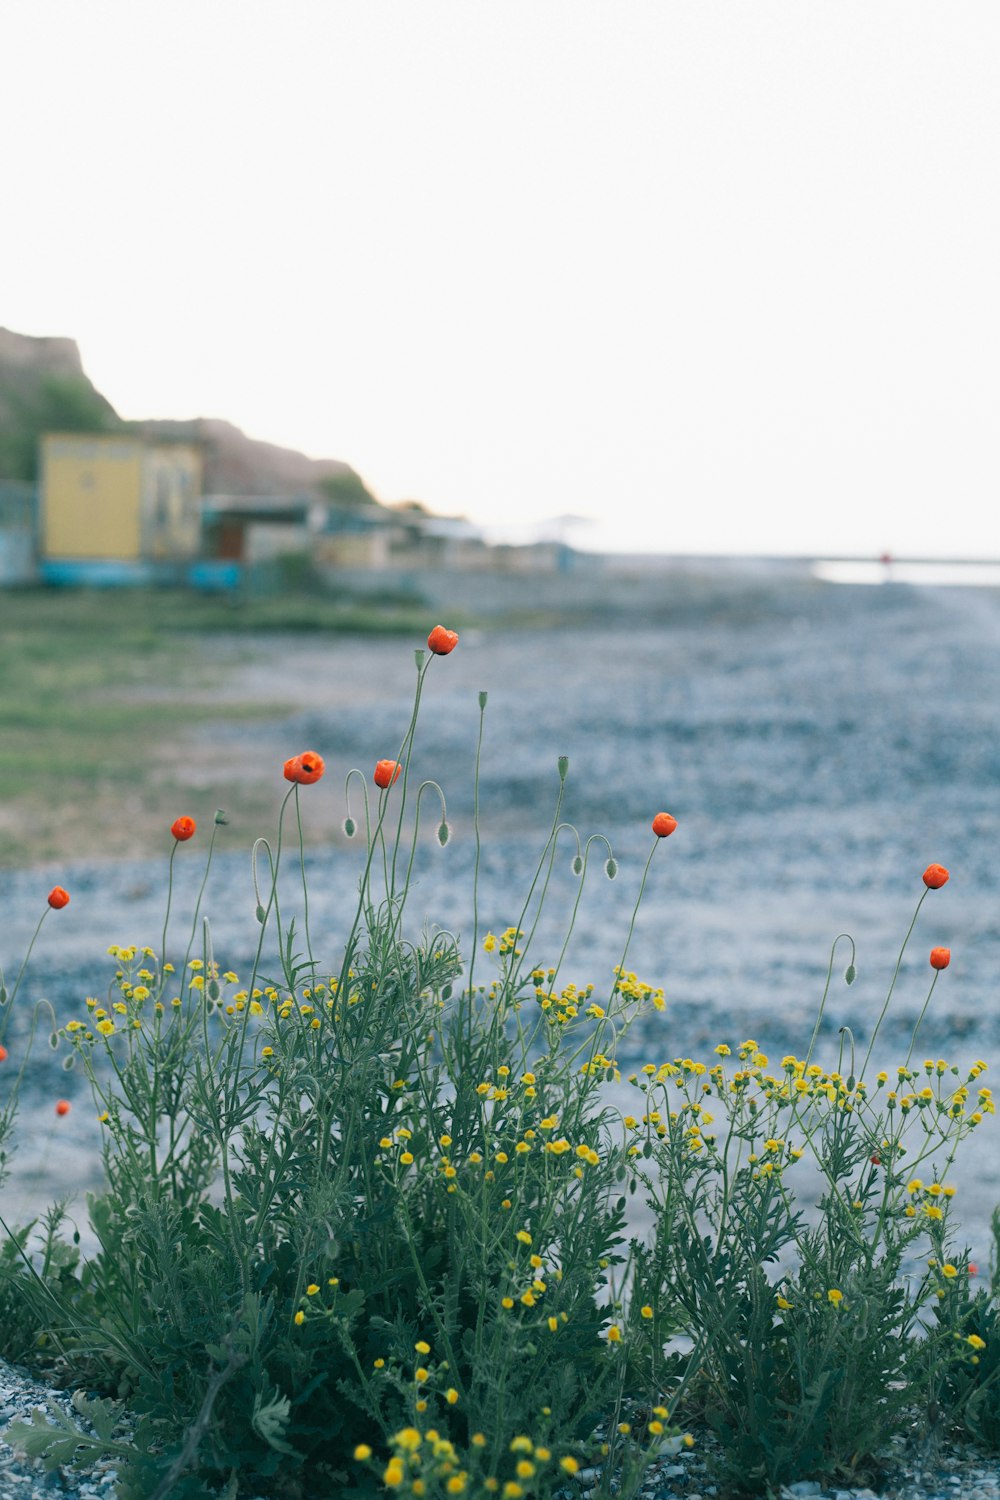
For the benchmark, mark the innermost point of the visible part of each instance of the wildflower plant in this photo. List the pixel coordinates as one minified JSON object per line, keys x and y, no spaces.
{"x":363,"y":1227}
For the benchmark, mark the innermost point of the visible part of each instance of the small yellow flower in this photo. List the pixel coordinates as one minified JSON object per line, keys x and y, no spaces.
{"x":451,"y":1395}
{"x":647,"y":1311}
{"x":361,"y":1452}
{"x":569,"y":1464}
{"x":420,"y":1374}
{"x":312,"y":1289}
{"x":300,"y":1316}
{"x":834,"y":1296}
{"x":523,"y":1236}
{"x":614,"y":1334}
{"x":422,"y":1347}
{"x":976,"y":1341}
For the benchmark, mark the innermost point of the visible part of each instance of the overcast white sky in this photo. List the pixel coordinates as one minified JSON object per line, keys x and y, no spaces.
{"x":722,"y":277}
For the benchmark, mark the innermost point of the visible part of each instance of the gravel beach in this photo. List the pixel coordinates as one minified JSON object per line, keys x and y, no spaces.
{"x":819,"y":745}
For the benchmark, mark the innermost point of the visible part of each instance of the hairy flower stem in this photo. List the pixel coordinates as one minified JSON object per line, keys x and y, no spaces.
{"x":403,"y":757}
{"x":305,"y":885}
{"x":892,"y":986}
{"x":9,"y":1007}
{"x":826,"y":991}
{"x":475,"y":870}
{"x":913,"y":1038}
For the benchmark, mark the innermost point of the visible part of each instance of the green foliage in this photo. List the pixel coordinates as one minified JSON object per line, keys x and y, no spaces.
{"x":57,"y":403}
{"x":364,"y":1228}
{"x":802,"y":1370}
{"x":348,"y":490}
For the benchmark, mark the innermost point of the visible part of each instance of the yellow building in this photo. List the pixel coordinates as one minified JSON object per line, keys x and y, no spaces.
{"x":118,"y":499}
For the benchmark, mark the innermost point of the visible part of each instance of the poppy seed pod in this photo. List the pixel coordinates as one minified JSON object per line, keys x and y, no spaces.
{"x":386,"y":772}
{"x":935,"y":877}
{"x":441,"y":641}
{"x":940,"y":958}
{"x":663,"y":825}
{"x":183,"y":829}
{"x":58,"y":898}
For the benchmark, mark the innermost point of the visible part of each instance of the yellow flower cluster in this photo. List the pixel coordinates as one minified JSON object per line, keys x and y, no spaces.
{"x":633,"y":988}
{"x":427,"y":1462}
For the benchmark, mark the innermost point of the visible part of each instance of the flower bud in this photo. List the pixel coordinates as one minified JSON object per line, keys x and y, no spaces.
{"x":563,"y":764}
{"x":444,"y":834}
{"x":578,"y":864}
{"x":611,"y":867}
{"x":350,"y":827}
{"x":261,"y":914}
{"x":940,"y":958}
{"x":850,"y":974}
{"x":482,"y":699}
{"x":935,"y":877}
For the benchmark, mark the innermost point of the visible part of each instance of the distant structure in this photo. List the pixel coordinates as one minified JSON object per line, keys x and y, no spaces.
{"x":116,"y":507}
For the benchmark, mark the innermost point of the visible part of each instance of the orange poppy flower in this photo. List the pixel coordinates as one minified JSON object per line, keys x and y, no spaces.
{"x":441,"y":641}
{"x":387,"y":772}
{"x":664,"y":825}
{"x":3,"y":1054}
{"x":305,"y":768}
{"x":58,"y":898}
{"x":935,"y":877}
{"x":62,"y":1107}
{"x":940,"y":958}
{"x":183,"y":829}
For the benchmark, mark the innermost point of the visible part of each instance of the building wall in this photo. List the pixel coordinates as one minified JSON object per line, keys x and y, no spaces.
{"x":171,"y":513}
{"x":118,"y":498}
{"x":91,"y":489}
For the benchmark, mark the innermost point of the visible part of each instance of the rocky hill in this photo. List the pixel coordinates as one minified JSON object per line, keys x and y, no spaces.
{"x":44,"y":388}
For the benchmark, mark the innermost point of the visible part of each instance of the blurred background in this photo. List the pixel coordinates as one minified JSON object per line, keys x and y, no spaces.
{"x":651,"y":349}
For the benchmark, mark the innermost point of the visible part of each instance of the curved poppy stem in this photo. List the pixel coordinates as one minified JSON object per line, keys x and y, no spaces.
{"x":826,"y":990}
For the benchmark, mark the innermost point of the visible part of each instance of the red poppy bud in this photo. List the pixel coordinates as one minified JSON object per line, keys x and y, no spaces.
{"x":386,"y":772}
{"x":664,"y":825}
{"x":183,"y":829}
{"x":305,"y":768}
{"x":876,"y":1160}
{"x":58,"y":898}
{"x":940,"y":958}
{"x":935,"y":877}
{"x":441,"y":641}
{"x":62,"y":1107}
